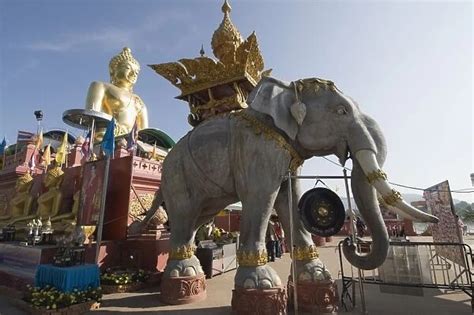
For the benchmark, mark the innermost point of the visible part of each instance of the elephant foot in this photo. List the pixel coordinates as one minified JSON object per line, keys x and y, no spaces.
{"x":317,"y":292}
{"x":311,"y":271}
{"x":261,"y":277}
{"x":190,"y":267}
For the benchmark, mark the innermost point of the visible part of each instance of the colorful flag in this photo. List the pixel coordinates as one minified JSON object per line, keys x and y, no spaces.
{"x":24,"y":136}
{"x":39,"y":140}
{"x":62,"y":151}
{"x":86,"y":146}
{"x":132,"y":137}
{"x":108,"y":142}
{"x":47,"y":156}
{"x":3,"y":146}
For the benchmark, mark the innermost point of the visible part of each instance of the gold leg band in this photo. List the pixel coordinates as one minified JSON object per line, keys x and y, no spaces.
{"x":252,"y":258}
{"x":182,"y":252}
{"x":393,"y":198}
{"x":308,"y":252}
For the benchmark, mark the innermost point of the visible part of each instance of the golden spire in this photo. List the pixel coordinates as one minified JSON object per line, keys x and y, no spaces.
{"x":213,"y":87}
{"x":226,"y":38}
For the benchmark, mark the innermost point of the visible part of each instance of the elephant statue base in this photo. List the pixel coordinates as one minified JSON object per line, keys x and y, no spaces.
{"x":183,"y":290}
{"x":259,"y":301}
{"x":318,"y":297}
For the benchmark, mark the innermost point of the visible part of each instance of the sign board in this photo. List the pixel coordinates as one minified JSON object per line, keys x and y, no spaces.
{"x":92,"y":190}
{"x":440,"y":204}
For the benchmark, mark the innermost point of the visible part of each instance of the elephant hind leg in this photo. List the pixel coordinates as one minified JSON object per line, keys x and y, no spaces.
{"x":183,"y":217}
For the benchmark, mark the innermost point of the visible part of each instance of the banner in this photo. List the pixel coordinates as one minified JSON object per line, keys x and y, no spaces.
{"x":440,"y":203}
{"x":92,"y":190}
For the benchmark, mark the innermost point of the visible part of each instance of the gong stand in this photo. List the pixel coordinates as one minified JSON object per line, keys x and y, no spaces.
{"x":352,"y":228}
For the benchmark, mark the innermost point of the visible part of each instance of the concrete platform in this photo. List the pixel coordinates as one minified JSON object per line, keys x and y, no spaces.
{"x":220,"y":292}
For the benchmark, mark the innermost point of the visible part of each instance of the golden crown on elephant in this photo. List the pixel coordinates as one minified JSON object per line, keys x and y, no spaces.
{"x":237,"y":60}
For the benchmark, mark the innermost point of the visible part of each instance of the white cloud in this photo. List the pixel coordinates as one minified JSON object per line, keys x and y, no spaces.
{"x":112,"y":37}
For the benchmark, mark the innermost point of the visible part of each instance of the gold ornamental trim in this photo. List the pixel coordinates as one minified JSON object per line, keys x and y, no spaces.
{"x":251,"y":258}
{"x":135,"y":209}
{"x":376,"y":175}
{"x":269,"y":133}
{"x":393,"y":198}
{"x":304,"y":253}
{"x":182,"y":252}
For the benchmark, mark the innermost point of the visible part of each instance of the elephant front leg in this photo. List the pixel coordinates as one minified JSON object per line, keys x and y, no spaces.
{"x":317,"y":292}
{"x":308,"y":266}
{"x":253,"y":271}
{"x":255,"y":280}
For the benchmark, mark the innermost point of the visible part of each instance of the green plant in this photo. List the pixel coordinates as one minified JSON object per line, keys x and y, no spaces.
{"x":121,"y":277}
{"x":51,"y":298}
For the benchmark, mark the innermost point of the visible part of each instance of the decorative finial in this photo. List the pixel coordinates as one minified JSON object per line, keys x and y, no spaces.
{"x":226,"y":8}
{"x":226,"y":38}
{"x":202,"y":52}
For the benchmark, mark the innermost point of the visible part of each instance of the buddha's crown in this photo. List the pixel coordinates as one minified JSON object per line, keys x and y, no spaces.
{"x":124,"y":56}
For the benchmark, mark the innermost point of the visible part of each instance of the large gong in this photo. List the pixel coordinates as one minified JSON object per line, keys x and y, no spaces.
{"x":321,"y":211}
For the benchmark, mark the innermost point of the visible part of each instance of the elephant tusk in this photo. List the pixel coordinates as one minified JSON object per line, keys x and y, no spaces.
{"x":391,"y":197}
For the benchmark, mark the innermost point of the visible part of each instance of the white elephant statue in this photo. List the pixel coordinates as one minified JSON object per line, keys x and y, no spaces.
{"x":245,"y":156}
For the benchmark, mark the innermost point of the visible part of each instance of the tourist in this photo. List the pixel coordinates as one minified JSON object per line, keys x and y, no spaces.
{"x":270,"y":238}
{"x":280,"y":234}
{"x":360,"y":225}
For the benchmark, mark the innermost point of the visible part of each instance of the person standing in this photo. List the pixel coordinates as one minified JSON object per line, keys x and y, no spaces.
{"x":271,"y":238}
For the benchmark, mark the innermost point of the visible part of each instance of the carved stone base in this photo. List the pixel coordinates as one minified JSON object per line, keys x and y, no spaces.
{"x":315,"y":297}
{"x":183,"y":290}
{"x":259,"y":301}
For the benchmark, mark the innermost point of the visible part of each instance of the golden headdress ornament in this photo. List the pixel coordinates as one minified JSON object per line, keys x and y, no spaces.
{"x":124,"y":56}
{"x":56,"y":171}
{"x":25,"y":179}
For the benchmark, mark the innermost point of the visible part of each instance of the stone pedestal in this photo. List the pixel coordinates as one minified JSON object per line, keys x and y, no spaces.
{"x":259,"y":301}
{"x":183,"y":290}
{"x":315,"y":297}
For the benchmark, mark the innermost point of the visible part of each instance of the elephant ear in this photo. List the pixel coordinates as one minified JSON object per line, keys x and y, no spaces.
{"x":275,"y":98}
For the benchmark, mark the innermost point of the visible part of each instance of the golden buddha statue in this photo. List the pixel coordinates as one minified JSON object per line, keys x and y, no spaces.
{"x":68,"y":220}
{"x":50,"y":201}
{"x":117,"y":98}
{"x":20,"y":204}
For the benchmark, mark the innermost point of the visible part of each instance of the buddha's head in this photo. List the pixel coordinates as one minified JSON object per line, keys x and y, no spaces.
{"x":23,"y":183}
{"x":54,"y":177}
{"x":124,"y":69}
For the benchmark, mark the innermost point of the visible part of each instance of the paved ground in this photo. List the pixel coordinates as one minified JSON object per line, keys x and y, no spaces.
{"x":220,"y":294}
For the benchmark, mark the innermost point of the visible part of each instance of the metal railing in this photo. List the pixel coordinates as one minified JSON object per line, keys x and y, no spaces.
{"x":413,"y":264}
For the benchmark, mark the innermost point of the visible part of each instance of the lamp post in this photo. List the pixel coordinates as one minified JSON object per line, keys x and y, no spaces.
{"x":39,"y":118}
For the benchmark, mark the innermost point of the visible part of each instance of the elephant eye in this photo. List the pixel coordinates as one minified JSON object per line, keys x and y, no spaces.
{"x":341,"y":111}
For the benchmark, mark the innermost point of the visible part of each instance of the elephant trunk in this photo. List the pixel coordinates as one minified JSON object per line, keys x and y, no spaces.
{"x":365,"y":197}
{"x":368,"y":145}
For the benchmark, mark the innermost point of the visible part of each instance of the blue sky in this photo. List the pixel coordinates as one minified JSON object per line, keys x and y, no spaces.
{"x":407,"y":63}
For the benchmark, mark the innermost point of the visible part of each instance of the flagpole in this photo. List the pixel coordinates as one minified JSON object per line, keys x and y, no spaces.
{"x":102,"y":209}
{"x":91,"y":140}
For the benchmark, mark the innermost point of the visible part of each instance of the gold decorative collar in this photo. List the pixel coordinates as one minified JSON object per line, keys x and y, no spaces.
{"x":270,"y":133}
